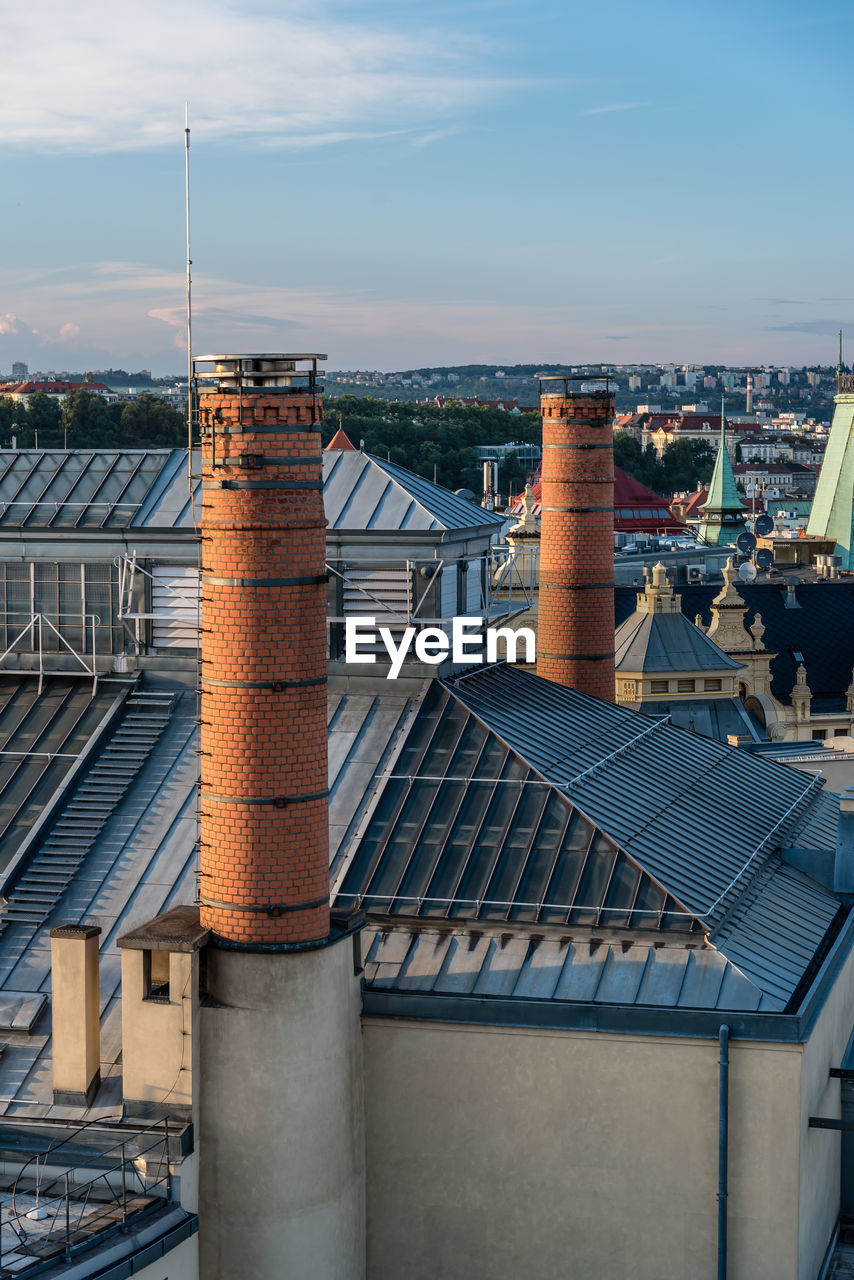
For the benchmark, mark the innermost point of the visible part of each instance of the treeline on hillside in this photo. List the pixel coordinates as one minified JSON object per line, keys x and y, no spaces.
{"x":431,"y":440}
{"x":83,"y":420}
{"x":424,"y":437}
{"x":682,"y":466}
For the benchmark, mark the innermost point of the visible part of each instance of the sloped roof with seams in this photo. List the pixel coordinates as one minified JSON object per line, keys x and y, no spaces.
{"x":652,"y":641}
{"x":361,"y":492}
{"x":76,"y":488}
{"x":645,"y":782}
{"x":489,"y":962}
{"x":518,"y":802}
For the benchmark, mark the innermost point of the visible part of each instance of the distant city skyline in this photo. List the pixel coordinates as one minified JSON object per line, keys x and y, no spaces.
{"x":441,"y":184}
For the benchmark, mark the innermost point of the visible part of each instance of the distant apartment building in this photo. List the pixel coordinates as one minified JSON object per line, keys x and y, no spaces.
{"x":813,"y":378}
{"x":729,"y":381}
{"x":21,"y":392}
{"x":529,"y":455}
{"x":784,"y":377}
{"x":20,"y":371}
{"x":776,"y":477}
{"x":709,"y":383}
{"x":635,"y":382}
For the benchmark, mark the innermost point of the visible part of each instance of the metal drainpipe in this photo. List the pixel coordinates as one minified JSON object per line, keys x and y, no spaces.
{"x":723,"y":1136}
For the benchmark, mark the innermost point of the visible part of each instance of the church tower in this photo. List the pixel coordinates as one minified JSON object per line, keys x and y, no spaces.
{"x":723,"y":510}
{"x":832,"y":514}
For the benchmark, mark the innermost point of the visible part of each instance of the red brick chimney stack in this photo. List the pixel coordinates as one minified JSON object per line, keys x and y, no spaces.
{"x":575,"y":642}
{"x":264,"y":809}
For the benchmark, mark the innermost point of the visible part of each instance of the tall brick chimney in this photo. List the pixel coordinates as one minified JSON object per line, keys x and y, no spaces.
{"x":264,"y":812}
{"x":575,"y":643}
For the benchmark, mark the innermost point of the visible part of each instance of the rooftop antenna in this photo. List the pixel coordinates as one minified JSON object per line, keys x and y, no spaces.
{"x":723,"y":421}
{"x":839,"y":367}
{"x":189,"y":302}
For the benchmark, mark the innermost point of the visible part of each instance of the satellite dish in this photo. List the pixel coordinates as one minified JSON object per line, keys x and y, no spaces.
{"x":747,"y":571}
{"x":745,"y":543}
{"x":465,"y":493}
{"x":764,"y":525}
{"x":764,"y":558}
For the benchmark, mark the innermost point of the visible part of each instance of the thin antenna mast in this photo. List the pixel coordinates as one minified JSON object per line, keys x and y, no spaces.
{"x":839,"y":367}
{"x":189,"y":302}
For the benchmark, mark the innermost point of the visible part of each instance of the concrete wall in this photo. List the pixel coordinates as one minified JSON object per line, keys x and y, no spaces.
{"x":281,"y":1138}
{"x":820,"y":1148}
{"x":499,"y":1153}
{"x":157,"y":1036}
{"x":180,"y":1263}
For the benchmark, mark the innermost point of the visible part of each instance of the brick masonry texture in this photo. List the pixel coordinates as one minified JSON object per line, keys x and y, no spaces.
{"x":575,"y":645}
{"x":264,"y":815}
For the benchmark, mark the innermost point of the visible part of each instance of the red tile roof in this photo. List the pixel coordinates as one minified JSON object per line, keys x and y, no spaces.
{"x":636,"y":508}
{"x":340,"y":442}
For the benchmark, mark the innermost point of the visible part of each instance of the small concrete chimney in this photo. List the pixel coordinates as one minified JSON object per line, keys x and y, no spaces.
{"x":264,"y":816}
{"x":75,"y":1014}
{"x":843,"y":866}
{"x":575,"y":644}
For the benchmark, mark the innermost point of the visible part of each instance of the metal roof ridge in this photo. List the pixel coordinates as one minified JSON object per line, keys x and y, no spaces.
{"x":384,"y":467}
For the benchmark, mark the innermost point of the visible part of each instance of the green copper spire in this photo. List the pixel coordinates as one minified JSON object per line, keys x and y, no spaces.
{"x":832,"y":514}
{"x":723,"y":510}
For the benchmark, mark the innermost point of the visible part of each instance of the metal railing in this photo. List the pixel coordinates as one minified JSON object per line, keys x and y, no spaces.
{"x":35,"y":629}
{"x":77,"y":1203}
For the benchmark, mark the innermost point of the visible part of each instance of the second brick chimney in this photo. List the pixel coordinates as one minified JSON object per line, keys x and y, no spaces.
{"x":575,"y":642}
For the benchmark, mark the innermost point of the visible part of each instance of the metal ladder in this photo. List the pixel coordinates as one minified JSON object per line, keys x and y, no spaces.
{"x":82,"y":818}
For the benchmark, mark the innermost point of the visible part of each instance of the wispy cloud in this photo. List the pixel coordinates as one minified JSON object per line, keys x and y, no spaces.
{"x":819,"y":327}
{"x":120,"y":312}
{"x":299,"y":74}
{"x":613,"y":106}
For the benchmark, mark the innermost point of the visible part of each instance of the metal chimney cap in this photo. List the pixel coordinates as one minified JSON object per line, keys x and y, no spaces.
{"x":271,"y":355}
{"x":257,"y":371}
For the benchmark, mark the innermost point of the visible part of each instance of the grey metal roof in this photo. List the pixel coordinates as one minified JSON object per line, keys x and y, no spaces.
{"x":667,"y":642}
{"x":143,"y":862}
{"x":465,"y":828}
{"x":362,"y":492}
{"x":41,"y":736}
{"x":698,"y":816}
{"x":710,"y":717}
{"x":777,"y":928}
{"x":552,"y":967}
{"x":75,"y":488}
{"x":817,"y":828}
{"x":362,"y":730}
{"x":167,"y":504}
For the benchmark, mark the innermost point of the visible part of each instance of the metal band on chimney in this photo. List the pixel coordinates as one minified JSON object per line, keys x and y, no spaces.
{"x":278,"y":802}
{"x":305,"y":580}
{"x":576,"y":586}
{"x":267,"y":908}
{"x":276,"y":686}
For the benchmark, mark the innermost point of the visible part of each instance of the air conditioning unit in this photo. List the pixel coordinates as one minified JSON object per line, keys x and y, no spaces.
{"x":695,"y":572}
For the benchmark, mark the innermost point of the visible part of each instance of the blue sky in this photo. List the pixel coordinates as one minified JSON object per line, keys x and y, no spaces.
{"x":417,"y":183}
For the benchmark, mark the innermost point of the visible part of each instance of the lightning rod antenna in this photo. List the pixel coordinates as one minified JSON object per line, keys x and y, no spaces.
{"x":189,"y":301}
